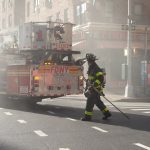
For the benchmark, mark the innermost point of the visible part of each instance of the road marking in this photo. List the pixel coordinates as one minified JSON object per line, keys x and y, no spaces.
{"x":64,"y":149}
{"x":99,"y":129}
{"x":142,"y":146}
{"x":22,"y":121}
{"x":140,"y":109}
{"x":133,"y":107}
{"x":147,"y":112}
{"x":57,"y":107}
{"x":40,"y":133}
{"x":71,"y":119}
{"x":51,"y":112}
{"x":1,"y":108}
{"x":8,"y":113}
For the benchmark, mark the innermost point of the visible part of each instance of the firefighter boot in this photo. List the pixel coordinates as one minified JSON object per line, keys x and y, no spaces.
{"x":107,"y":114}
{"x":86,"y":118}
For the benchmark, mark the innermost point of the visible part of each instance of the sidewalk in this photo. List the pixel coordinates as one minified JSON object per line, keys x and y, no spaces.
{"x":113,"y":97}
{"x":120,"y":96}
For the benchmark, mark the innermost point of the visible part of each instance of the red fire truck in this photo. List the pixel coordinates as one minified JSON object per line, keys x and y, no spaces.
{"x":44,"y":65}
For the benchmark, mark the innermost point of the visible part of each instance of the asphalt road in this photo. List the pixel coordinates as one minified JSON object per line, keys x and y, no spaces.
{"x":55,"y":125}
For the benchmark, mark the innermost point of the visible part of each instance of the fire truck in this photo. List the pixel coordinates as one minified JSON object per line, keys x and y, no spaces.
{"x":44,"y":64}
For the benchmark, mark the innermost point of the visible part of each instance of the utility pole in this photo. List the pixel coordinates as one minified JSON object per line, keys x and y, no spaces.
{"x":146,"y":62}
{"x":129,"y":90}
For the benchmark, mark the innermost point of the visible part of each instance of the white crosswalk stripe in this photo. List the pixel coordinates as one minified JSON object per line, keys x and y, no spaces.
{"x":140,"y":109}
{"x":146,"y":112}
{"x":51,"y":112}
{"x":8,"y":113}
{"x":135,"y":107}
{"x":142,"y":146}
{"x":40,"y":133}
{"x":71,"y":119}
{"x":99,"y":129}
{"x":22,"y":121}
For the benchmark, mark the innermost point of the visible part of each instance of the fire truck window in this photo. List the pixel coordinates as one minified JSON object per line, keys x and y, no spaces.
{"x":55,"y":58}
{"x":62,"y":58}
{"x":66,"y":58}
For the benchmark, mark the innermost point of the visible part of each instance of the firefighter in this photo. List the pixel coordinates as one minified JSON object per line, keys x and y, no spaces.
{"x":96,"y":79}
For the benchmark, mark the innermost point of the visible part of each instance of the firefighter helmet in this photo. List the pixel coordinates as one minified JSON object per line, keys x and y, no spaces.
{"x":90,"y":57}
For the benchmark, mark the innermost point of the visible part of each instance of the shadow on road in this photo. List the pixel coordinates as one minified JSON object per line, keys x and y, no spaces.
{"x":136,"y":121}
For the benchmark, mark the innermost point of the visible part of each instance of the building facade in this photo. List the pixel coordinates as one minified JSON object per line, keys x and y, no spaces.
{"x":49,"y":10}
{"x":100,"y":28}
{"x":12,"y":14}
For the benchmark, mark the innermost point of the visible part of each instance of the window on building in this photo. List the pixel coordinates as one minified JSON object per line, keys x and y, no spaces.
{"x":48,"y":3}
{"x":78,"y":14}
{"x":81,"y":13}
{"x":138,"y":9}
{"x":10,"y":20}
{"x":83,"y":8}
{"x":10,"y":3}
{"x":78,"y":10}
{"x":58,"y":16}
{"x":3,"y":23}
{"x":66,"y":15}
{"x":109,"y":7}
{"x":3,"y":5}
{"x":36,"y":4}
{"x":28,"y":9}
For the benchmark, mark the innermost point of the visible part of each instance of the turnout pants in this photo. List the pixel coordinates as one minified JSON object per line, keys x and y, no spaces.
{"x":94,"y":99}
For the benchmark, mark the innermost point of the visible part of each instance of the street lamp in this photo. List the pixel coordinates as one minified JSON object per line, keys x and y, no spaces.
{"x":129,"y":90}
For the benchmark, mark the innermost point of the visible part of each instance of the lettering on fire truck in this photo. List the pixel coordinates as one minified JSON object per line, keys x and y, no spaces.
{"x":60,"y":46}
{"x":59,"y":69}
{"x":54,"y":69}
